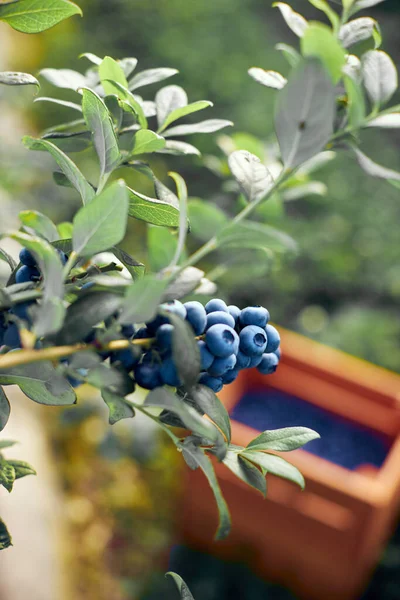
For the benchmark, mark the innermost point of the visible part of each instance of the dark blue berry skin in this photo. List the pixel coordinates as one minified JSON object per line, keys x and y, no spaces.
{"x":142,"y":334}
{"x":63,"y":257}
{"x":11,"y":336}
{"x":175,"y":307}
{"x":149,"y":357}
{"x":148,"y":375}
{"x":222,"y":340}
{"x":255,"y":361}
{"x":169,"y":373}
{"x":196,"y":315}
{"x":3,"y":328}
{"x":216,"y":304}
{"x":234,"y":311}
{"x":230,"y":376}
{"x":214,"y":383}
{"x":253,"y":340}
{"x":242,"y":360}
{"x":205,"y":356}
{"x":25,"y":274}
{"x":268,"y":364}
{"x":254,"y":315}
{"x":73,"y":381}
{"x":278,"y":353}
{"x":125,"y":357}
{"x":128,"y":331}
{"x":164,"y":337}
{"x":27,"y":258}
{"x":274,"y":339}
{"x":21,"y":311}
{"x":221,"y":365}
{"x":219,"y":316}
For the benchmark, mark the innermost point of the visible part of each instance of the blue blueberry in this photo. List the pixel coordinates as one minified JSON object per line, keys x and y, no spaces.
{"x":126,"y":357}
{"x":164,"y":337}
{"x":255,"y":361}
{"x":27,"y":258}
{"x":205,"y":356}
{"x":214,"y":383}
{"x":196,"y":315}
{"x":11,"y":336}
{"x":216,"y":304}
{"x":150,"y":357}
{"x":148,"y":375}
{"x":219,"y":316}
{"x":222,"y":340}
{"x":128,"y":331}
{"x":230,"y":376}
{"x":142,"y":334}
{"x":242,"y":360}
{"x":274,"y":339}
{"x":21,"y":311}
{"x":25,"y":274}
{"x":63,"y":257}
{"x":268,"y":364}
{"x":3,"y":328}
{"x":175,"y":307}
{"x":74,"y":381}
{"x":253,"y":340}
{"x":169,"y":373}
{"x":221,"y":365}
{"x":254,"y":315}
{"x":278,"y":352}
{"x":234,"y":311}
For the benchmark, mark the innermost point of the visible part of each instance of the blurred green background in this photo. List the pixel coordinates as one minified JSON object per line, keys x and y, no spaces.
{"x":343,"y":287}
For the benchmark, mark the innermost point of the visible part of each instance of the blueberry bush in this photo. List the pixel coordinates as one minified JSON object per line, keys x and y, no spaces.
{"x":77,"y":308}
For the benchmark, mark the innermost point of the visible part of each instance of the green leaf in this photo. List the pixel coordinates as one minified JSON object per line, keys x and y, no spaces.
{"x":332,"y":16}
{"x":6,"y":444}
{"x":249,"y":234}
{"x":86,"y":312}
{"x":246,"y":471}
{"x":254,"y":179}
{"x":270,"y":463}
{"x":65,"y":230}
{"x":5,"y":537}
{"x":183,"y":224}
{"x":212,"y":406}
{"x":128,"y":102}
{"x":294,"y":20}
{"x":185,"y":351}
{"x":379,"y":75}
{"x":39,"y":224}
{"x":14,"y":78}
{"x":8,"y":259}
{"x":305,"y":113}
{"x":152,"y":210}
{"x":21,"y":468}
{"x":135,"y":268}
{"x":178,"y":113}
{"x":69,"y":142}
{"x":390,"y":121}
{"x":355,"y":102}
{"x":5,"y":409}
{"x":64,"y":78}
{"x":34,"y":16}
{"x":271,"y":79}
{"x":361,"y":4}
{"x":102,"y":223}
{"x":161,"y":247}
{"x":7,"y":475}
{"x":40,"y":382}
{"x":146,"y":141}
{"x":319,"y":42}
{"x":96,"y":60}
{"x":301,"y":190}
{"x":206,"y":219}
{"x":356,"y":31}
{"x":119,"y":408}
{"x":142,"y":299}
{"x":150,"y":76}
{"x":181,"y":585}
{"x":290,"y":53}
{"x":208,"y":126}
{"x":59,"y":102}
{"x":373,"y":169}
{"x":198,"y":456}
{"x":283,"y":440}
{"x":109,"y":69}
{"x":179,"y":148}
{"x":98,"y":120}
{"x":67,"y":166}
{"x":169,"y":99}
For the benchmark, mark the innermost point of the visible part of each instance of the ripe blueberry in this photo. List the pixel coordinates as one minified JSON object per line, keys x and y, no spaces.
{"x":25,"y":274}
{"x":216,"y":304}
{"x":164,"y":337}
{"x":255,"y":361}
{"x":254,"y":315}
{"x":278,"y":352}
{"x":196,"y":316}
{"x":128,"y":331}
{"x":11,"y":336}
{"x":169,"y":373}
{"x":142,"y":334}
{"x":126,"y":357}
{"x":205,"y":356}
{"x":221,"y":365}
{"x":234,"y":311}
{"x":148,"y":375}
{"x":222,"y":340}
{"x":274,"y":339}
{"x":219,"y":316}
{"x":214,"y":383}
{"x":21,"y":311}
{"x":27,"y":258}
{"x":253,"y":340}
{"x":230,"y":376}
{"x":268,"y":364}
{"x":242,"y":360}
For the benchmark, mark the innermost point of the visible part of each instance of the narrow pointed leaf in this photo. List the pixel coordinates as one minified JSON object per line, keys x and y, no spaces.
{"x":179,"y":148}
{"x":270,"y":463}
{"x":21,"y":468}
{"x":290,"y":53}
{"x":178,"y":113}
{"x":208,"y":126}
{"x":181,"y":585}
{"x":283,"y":440}
{"x":34,"y":16}
{"x":59,"y":102}
{"x":296,"y":22}
{"x":390,"y":121}
{"x":373,"y":169}
{"x":271,"y":79}
{"x":14,"y":78}
{"x":246,"y":471}
{"x":150,"y":76}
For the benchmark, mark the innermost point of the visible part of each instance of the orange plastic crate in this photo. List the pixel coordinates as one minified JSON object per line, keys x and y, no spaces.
{"x":325,"y":541}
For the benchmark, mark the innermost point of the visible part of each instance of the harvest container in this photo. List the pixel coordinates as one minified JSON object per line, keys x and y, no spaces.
{"x":325,"y":541}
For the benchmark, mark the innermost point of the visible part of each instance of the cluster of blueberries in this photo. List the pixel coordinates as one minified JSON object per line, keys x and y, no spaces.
{"x":229,"y":339}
